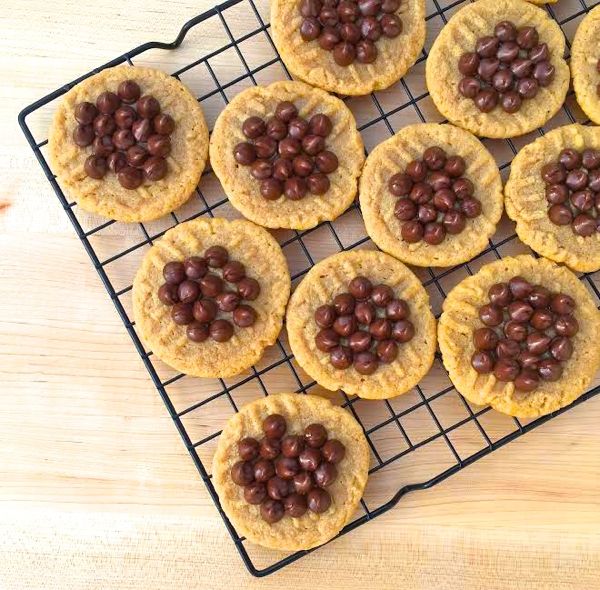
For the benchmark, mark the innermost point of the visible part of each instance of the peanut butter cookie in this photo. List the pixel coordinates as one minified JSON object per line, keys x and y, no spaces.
{"x":585,"y":64}
{"x":129,"y":143}
{"x":431,"y":195}
{"x":519,"y":335}
{"x":287,"y":155}
{"x":350,"y":47}
{"x":290,"y":470}
{"x":360,"y":321}
{"x":497,"y":68}
{"x":210,"y":296}
{"x":552,"y":194}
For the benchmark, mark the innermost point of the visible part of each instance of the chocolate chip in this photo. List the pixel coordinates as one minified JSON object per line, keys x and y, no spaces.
{"x":455,"y":166}
{"x":359,"y":341}
{"x":469,"y":87}
{"x":527,"y":380}
{"x":95,"y":167}
{"x":129,"y":91}
{"x":83,"y":135}
{"x":320,"y":125}
{"x":520,"y":287}
{"x":527,"y":87}
{"x":510,"y":102}
{"x":541,"y":319}
{"x":482,"y":362}
{"x":591,"y":159}
{"x":167,"y":294}
{"x":328,"y":16}
{"x":486,"y":100}
{"x":463,"y":188}
{"x":471,"y":207}
{"x":505,"y":31}
{"x":327,"y":339}
{"x":516,"y":331}
{"x":248,"y":448}
{"x":341,"y":357}
{"x":403,"y":331}
{"x":387,"y":351}
{"x":344,"y":53}
{"x":147,"y":107}
{"x":195,"y":267}
{"x":159,"y":145}
{"x":318,"y":500}
{"x":550,"y":370}
{"x":326,"y":162}
{"x":506,"y":369}
{"x":125,"y":117}
{"x":295,"y":505}
{"x":181,"y":313}
{"x":104,"y":125}
{"x":271,"y":188}
{"x":325,"y":315}
{"x":519,"y":311}
{"x":325,"y":474}
{"x":295,"y":188}
{"x":269,"y":449}
{"x":328,"y":38}
{"x":527,"y":37}
{"x":543,"y":72}
{"x":557,"y":193}
{"x":261,"y":169}
{"x":421,"y":192}
{"x":499,"y":294}
{"x":315,"y":435}
{"x":107,"y":103}
{"x":370,"y":28}
{"x":136,"y":156}
{"x":344,"y":325}
{"x":487,"y":68}
{"x":566,"y":325}
{"x":425,"y":213}
{"x":468,"y":64}
{"x":188,"y":291}
{"x":197,"y":332}
{"x":303,"y":482}
{"x":491,"y":315}
{"x":343,"y":304}
{"x":221,"y":330}
{"x":561,"y":348}
{"x":274,"y":426}
{"x":130,"y":178}
{"x":255,"y":493}
{"x":485,"y":339}
{"x":142,"y":129}
{"x":242,"y":473}
{"x":291,"y":446}
{"x":103,"y":146}
{"x":205,"y":310}
{"x":454,"y":222}
{"x":271,"y":511}
{"x":248,"y":288}
{"x":391,"y":25}
{"x":584,"y":225}
{"x":309,"y":458}
{"x":364,"y":312}
{"x":487,"y":46}
{"x":155,"y":168}
{"x":366,"y":51}
{"x":508,"y":52}
{"x":227,"y":301}
{"x":369,"y":7}
{"x":122,"y":139}
{"x":265,"y":146}
{"x":85,"y":113}
{"x":333,"y":451}
{"x":164,"y":124}
{"x":244,"y":316}
{"x":507,"y":348}
{"x":286,"y":468}
{"x":282,"y":169}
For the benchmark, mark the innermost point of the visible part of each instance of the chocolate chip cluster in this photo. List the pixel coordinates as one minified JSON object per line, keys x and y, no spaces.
{"x":128,"y":133}
{"x":287,"y":154}
{"x":349,"y":28}
{"x":362,"y":328}
{"x":573,"y":190}
{"x":199,"y":298}
{"x":527,"y":333}
{"x":505,"y":68}
{"x":287,"y":474}
{"x":435,"y":198}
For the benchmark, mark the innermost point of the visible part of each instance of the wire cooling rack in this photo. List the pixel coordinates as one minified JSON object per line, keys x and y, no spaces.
{"x":417,"y":440}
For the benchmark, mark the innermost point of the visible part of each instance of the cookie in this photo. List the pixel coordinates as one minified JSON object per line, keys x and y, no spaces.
{"x":497,"y":68}
{"x":519,"y":335}
{"x":287,"y":155}
{"x":585,"y":64}
{"x":129,"y":143}
{"x":431,"y":195}
{"x":360,"y":321}
{"x":210,"y":296}
{"x":550,"y":194}
{"x":290,"y":470}
{"x":349,"y":47}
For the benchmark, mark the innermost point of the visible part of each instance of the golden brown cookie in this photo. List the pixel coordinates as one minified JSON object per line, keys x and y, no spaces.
{"x":527,"y":202}
{"x":106,"y":195}
{"x":308,"y":61}
{"x":585,"y":64}
{"x":497,"y":118}
{"x":381,"y":353}
{"x":307,"y":529}
{"x":220,"y":337}
{"x":244,"y":189}
{"x":461,"y":317}
{"x":390,"y":215}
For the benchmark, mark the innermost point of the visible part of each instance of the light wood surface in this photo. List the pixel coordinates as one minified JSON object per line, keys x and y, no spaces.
{"x":97,"y":490}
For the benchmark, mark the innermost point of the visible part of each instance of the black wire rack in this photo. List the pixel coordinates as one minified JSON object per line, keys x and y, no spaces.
{"x":417,"y":440}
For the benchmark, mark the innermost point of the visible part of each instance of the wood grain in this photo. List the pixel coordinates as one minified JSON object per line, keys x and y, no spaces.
{"x":97,"y":489}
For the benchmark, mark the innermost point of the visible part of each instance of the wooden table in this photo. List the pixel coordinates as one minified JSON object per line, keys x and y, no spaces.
{"x":98,"y":491}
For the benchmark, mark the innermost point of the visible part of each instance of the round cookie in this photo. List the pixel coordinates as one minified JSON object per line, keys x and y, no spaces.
{"x":385,"y":216}
{"x":308,"y":61}
{"x":299,"y":411}
{"x":460,"y":36}
{"x":527,"y":205}
{"x":244,"y":190}
{"x":460,"y":318}
{"x":585,"y":64}
{"x":107,"y":196}
{"x":412,"y":337}
{"x":213,"y":355}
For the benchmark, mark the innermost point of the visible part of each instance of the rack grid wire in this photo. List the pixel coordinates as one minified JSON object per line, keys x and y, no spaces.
{"x":416,"y":440}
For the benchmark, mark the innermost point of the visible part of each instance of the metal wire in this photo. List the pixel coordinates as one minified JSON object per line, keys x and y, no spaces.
{"x":398,"y":418}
